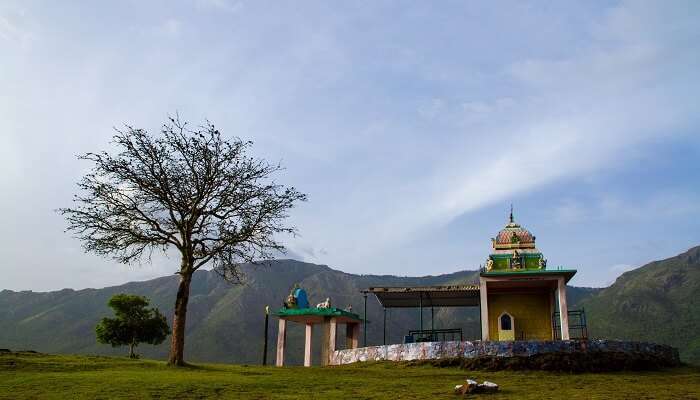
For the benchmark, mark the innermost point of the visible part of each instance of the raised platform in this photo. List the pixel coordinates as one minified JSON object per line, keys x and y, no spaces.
{"x":606,"y":354}
{"x":317,"y":315}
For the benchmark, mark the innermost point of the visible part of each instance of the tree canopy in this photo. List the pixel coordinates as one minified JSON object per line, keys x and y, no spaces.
{"x":190,"y":189}
{"x":134,"y":323}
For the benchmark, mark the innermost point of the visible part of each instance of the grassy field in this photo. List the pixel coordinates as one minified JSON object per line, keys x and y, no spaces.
{"x":37,"y":376}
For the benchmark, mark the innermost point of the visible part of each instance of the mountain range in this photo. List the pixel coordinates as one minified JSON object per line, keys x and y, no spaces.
{"x":658,"y":302}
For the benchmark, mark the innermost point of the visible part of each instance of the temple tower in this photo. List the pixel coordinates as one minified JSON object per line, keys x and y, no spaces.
{"x":519,"y":295}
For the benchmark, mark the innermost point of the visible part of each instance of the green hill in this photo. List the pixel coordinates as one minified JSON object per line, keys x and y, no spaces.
{"x":225,"y":322}
{"x":658,"y":302}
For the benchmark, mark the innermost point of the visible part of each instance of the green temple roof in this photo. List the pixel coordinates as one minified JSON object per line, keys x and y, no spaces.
{"x":568,"y":273}
{"x":316,"y":312}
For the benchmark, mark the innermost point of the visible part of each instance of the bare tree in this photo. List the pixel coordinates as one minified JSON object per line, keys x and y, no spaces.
{"x":187,"y":189}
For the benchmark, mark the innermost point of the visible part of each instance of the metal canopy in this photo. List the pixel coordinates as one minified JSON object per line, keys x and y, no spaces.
{"x":426,"y":296}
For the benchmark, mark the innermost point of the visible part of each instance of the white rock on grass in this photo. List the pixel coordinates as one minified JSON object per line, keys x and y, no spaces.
{"x":487,"y":387}
{"x":470,"y":387}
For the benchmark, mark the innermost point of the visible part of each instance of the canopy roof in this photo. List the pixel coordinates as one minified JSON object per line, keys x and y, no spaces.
{"x":427,"y":296}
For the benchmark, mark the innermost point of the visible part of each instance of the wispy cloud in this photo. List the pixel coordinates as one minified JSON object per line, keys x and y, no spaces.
{"x":170,"y":27}
{"x":395,"y":120}
{"x":615,"y":271}
{"x":11,"y":30}
{"x":605,"y":207}
{"x":225,"y":5}
{"x":579,"y":114}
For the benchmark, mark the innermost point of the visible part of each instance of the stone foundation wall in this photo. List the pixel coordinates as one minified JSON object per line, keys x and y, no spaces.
{"x":659,"y":354}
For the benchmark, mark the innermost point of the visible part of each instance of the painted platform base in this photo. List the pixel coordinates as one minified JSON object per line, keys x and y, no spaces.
{"x":650,"y":353}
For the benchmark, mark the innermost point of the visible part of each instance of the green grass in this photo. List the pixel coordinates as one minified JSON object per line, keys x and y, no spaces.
{"x":38,"y":376}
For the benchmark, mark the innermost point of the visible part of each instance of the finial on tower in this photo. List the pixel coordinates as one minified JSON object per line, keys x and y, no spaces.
{"x":511,"y":213}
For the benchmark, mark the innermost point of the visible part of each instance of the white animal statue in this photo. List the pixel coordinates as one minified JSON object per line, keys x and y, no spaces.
{"x":325,"y":304}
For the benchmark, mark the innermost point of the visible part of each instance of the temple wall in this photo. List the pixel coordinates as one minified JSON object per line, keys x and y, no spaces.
{"x":531,"y":311}
{"x":664,"y":355}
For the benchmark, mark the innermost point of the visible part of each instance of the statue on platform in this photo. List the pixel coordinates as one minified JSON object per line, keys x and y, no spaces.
{"x":297,"y":298}
{"x":291,"y":301}
{"x":516,"y":262}
{"x":489,"y":264}
{"x":325,"y":304}
{"x":543,"y":262}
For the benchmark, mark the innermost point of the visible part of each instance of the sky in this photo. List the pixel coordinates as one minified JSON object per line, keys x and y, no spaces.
{"x":412,"y":126}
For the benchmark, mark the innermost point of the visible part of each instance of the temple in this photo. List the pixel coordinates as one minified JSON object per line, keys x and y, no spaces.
{"x":519,"y":298}
{"x":518,"y":295}
{"x":523,"y":317}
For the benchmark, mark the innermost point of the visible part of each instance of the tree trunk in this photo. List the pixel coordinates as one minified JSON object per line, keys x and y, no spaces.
{"x":132,"y":345}
{"x":177,"y":346}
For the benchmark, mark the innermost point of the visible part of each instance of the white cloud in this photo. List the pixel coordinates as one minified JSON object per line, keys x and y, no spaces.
{"x":13,"y":28}
{"x":616,"y":208}
{"x":580,"y":115}
{"x":615,"y":271}
{"x":171,"y":27}
{"x":564,"y":118}
{"x":570,"y":211}
{"x":7,"y":30}
{"x":393,"y":131}
{"x":10,"y":162}
{"x":432,"y":108}
{"x":225,"y":5}
{"x":621,"y":268}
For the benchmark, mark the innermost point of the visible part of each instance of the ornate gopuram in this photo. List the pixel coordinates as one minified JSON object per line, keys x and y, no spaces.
{"x":519,"y":295}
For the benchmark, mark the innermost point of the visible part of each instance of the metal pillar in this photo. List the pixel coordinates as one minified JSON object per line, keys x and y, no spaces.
{"x":267,"y":324}
{"x":384,"y":325}
{"x":481,"y":336}
{"x":420,"y":303}
{"x":364,"y":323}
{"x":432,"y":320}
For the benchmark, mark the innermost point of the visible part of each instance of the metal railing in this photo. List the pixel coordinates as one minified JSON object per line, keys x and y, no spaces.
{"x":434,"y":335}
{"x":578,"y":327}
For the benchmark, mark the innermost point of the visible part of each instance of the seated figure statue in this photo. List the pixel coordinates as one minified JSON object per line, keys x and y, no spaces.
{"x":291,"y":301}
{"x":516,"y":262}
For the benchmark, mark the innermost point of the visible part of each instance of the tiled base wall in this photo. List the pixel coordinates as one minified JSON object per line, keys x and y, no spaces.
{"x":438,"y":350}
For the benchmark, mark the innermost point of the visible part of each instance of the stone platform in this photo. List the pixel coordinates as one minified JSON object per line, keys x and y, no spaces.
{"x":601,"y":354}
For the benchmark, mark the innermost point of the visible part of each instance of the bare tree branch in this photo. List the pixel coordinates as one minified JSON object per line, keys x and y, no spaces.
{"x":187,"y":188}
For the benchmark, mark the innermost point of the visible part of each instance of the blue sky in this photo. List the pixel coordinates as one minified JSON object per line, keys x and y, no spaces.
{"x":412,"y":126}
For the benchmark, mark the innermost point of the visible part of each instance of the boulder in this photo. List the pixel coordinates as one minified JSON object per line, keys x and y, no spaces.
{"x":487,"y":387}
{"x":473,"y":386}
